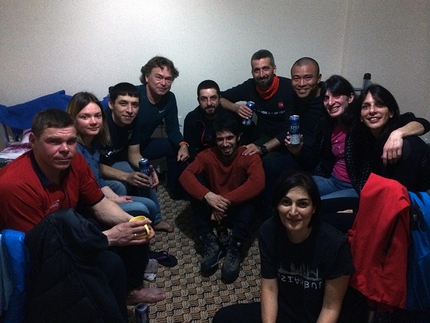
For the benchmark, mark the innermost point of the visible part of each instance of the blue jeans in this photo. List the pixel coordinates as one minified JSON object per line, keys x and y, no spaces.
{"x":155,"y":148}
{"x":116,"y":186}
{"x":147,"y":197}
{"x":332,"y":187}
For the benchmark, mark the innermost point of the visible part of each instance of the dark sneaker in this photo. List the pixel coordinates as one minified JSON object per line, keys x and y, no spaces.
{"x":212,"y":252}
{"x":230,"y":268}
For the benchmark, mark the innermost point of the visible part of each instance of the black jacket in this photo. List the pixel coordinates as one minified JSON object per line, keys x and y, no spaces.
{"x":198,"y":130}
{"x":66,"y":284}
{"x":360,"y":163}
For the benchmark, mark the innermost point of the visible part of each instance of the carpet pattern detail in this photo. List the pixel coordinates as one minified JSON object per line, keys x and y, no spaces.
{"x":190,"y":297}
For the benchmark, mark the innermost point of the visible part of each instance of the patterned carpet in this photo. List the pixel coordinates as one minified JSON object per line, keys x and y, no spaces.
{"x":189,"y":296}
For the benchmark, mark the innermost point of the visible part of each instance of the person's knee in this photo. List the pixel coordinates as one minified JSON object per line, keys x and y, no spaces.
{"x":223,"y":315}
{"x":158,"y":147}
{"x":123,"y":166}
{"x":135,"y":208}
{"x":112,"y":265}
{"x":119,"y":188}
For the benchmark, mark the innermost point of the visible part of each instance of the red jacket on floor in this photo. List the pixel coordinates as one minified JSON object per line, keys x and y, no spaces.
{"x":379,"y":241}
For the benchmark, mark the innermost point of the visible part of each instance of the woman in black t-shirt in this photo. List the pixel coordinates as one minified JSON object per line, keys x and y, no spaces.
{"x":305,"y":264}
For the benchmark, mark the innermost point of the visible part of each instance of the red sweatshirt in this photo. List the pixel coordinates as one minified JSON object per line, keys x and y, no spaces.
{"x":238,"y":181}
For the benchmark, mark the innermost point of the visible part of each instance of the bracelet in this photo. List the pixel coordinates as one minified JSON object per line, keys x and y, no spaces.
{"x":183,"y":143}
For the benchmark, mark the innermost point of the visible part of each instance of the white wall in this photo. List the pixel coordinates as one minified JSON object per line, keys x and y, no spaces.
{"x":90,"y":45}
{"x":391,"y":39}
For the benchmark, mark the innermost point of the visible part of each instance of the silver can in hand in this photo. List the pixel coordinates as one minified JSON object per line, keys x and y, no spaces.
{"x":145,"y":169}
{"x":295,"y":129}
{"x":248,"y":121}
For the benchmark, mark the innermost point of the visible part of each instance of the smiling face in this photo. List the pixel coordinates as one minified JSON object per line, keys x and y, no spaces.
{"x":295,"y":211}
{"x":305,"y":79}
{"x":336,"y":105}
{"x":227,"y":143}
{"x":124,"y":109}
{"x":89,"y":121}
{"x":262,"y":72}
{"x":54,"y":149}
{"x":375,"y":115}
{"x":209,"y":101}
{"x":158,"y":82}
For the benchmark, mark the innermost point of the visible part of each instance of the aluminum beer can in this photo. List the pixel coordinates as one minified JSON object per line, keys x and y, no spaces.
{"x":295,"y":129}
{"x":141,"y":312}
{"x":144,"y":168}
{"x":248,"y":121}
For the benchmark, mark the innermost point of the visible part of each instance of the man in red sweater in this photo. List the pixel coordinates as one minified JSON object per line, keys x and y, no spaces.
{"x":223,"y":185}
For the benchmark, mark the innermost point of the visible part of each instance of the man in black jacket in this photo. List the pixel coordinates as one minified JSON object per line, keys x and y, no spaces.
{"x":198,"y":124}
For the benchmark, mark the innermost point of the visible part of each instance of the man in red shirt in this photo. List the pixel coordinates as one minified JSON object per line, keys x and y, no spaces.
{"x":51,"y":177}
{"x":232,"y":182}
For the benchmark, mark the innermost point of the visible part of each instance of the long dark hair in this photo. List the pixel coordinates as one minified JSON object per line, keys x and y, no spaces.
{"x":338,"y":85}
{"x":383,"y":97}
{"x":366,"y":149}
{"x":363,"y":137}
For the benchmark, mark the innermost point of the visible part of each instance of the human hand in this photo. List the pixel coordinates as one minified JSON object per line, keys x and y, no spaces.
{"x":127,"y":233}
{"x":243,"y":111}
{"x":294,"y":149}
{"x":154,"y":177}
{"x":217,"y":216}
{"x":121,"y":199}
{"x":218,"y":202}
{"x":183,"y":153}
{"x":251,"y":149}
{"x":392,"y":150}
{"x":139,"y":179}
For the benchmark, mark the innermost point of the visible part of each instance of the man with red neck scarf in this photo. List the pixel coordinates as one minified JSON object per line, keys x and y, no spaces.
{"x":276,"y":98}
{"x":273,"y":97}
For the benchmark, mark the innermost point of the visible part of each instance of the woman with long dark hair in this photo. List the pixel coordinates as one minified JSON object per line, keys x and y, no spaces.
{"x":331,"y":174}
{"x":305,"y":263}
{"x":376,"y":116}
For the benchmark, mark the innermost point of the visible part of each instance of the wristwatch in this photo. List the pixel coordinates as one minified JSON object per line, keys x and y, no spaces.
{"x":263,"y":150}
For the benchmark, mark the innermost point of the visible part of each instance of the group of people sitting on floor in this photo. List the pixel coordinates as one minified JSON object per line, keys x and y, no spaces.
{"x":304,"y":195}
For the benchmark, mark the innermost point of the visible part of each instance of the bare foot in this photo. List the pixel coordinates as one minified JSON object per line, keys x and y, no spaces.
{"x":145,"y":295}
{"x":164,"y":225}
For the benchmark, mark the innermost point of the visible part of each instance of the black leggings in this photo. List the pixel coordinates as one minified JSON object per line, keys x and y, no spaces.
{"x":239,"y":313}
{"x":341,"y":221}
{"x":354,"y":310}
